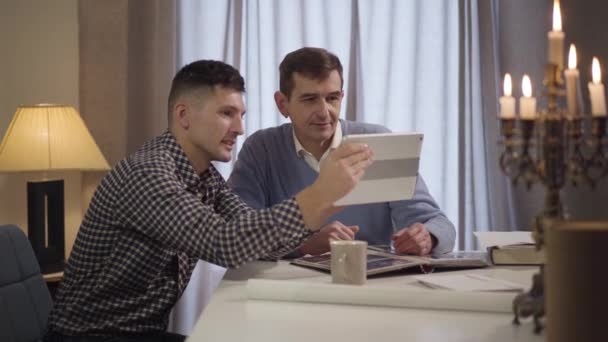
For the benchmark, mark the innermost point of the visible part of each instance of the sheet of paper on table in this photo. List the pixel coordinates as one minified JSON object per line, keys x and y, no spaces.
{"x":468,"y":282}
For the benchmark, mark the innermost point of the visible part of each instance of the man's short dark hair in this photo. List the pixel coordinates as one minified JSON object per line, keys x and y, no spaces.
{"x":203,"y":74}
{"x":315,"y":63}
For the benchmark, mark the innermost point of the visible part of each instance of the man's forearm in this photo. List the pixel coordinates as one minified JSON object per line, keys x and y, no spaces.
{"x":314,"y":207}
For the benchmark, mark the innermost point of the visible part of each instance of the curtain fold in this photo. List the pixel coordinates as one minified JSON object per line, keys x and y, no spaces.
{"x":408,"y":81}
{"x":500,"y":192}
{"x":485,"y":195}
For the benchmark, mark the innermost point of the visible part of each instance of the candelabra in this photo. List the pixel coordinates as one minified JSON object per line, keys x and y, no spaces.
{"x":553,"y":148}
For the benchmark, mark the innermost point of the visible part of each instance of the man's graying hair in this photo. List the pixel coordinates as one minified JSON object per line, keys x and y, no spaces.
{"x":203,"y":74}
{"x":315,"y":63}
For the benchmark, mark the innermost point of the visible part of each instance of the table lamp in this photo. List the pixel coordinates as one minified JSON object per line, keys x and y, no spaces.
{"x":48,"y":137}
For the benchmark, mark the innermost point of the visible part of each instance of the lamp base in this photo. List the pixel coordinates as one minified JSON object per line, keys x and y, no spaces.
{"x":45,"y":217}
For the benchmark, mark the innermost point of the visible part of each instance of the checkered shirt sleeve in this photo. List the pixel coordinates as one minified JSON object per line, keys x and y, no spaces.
{"x":154,"y":203}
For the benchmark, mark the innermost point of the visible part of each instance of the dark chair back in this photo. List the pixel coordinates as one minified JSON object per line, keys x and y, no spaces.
{"x":25,"y":301}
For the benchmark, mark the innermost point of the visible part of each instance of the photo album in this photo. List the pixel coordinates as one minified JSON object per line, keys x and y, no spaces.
{"x":380,"y":259}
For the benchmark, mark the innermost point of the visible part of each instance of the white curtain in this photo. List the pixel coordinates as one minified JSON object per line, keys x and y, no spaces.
{"x":401,"y":69}
{"x":485,"y":193}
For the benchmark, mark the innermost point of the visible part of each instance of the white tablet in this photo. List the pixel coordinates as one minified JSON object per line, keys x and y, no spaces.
{"x":393,"y":174}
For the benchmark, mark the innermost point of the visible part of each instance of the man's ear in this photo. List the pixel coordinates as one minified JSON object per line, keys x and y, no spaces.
{"x":281,"y":100}
{"x":181,"y":116}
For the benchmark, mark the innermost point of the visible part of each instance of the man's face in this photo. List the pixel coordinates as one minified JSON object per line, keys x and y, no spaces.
{"x":313,"y":107}
{"x":214,"y":124}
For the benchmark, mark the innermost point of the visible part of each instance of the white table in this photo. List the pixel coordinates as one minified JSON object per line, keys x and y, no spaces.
{"x":230,"y":316}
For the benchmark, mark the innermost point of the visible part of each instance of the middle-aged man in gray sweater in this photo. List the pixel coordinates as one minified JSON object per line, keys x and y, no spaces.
{"x":277,"y":162}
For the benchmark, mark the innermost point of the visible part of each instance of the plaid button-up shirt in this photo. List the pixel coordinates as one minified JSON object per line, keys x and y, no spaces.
{"x":150,"y":220}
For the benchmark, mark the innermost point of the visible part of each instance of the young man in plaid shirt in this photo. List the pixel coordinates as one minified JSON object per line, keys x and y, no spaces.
{"x":165,"y":207}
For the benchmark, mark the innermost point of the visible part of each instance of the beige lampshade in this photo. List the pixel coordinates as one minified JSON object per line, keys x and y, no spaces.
{"x":49,"y":137}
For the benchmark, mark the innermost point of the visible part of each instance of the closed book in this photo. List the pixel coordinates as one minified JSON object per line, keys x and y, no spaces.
{"x":520,"y":254}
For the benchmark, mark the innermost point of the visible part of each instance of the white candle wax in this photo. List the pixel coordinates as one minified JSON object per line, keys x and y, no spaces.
{"x":598,"y":100}
{"x":556,"y":38}
{"x":507,"y":102}
{"x":527,"y":103}
{"x":571,"y":92}
{"x":596,"y":90}
{"x":527,"y":107}
{"x":507,"y":107}
{"x":572,"y":75}
{"x":556,"y":48}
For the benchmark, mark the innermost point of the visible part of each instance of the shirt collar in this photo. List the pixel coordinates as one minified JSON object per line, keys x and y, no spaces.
{"x":335,"y":141}
{"x":185,"y":170}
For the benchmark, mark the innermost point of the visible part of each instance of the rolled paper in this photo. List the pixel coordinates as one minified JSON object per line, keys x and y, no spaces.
{"x":391,"y":296}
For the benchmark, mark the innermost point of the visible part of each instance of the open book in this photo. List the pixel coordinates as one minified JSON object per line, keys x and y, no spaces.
{"x":380,"y":259}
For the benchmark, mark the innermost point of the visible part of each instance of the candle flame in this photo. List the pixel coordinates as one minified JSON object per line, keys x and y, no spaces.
{"x":506,"y":87}
{"x":572,"y":57}
{"x":557,"y":16}
{"x":596,"y":73}
{"x":526,"y":86}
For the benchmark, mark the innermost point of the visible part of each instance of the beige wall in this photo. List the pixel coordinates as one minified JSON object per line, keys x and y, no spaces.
{"x":38,"y":63}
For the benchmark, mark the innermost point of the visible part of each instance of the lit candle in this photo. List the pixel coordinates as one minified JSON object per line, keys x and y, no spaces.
{"x":596,"y":90}
{"x":572,"y":83}
{"x":507,"y":102}
{"x":527,"y":103}
{"x":556,"y":38}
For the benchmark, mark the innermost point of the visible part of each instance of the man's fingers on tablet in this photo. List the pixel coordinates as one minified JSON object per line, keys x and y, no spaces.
{"x":362,"y":164}
{"x":362,"y":157}
{"x":358,"y":175}
{"x":349,"y":149}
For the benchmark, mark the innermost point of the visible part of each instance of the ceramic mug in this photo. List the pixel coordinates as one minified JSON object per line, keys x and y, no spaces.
{"x":348,"y":261}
